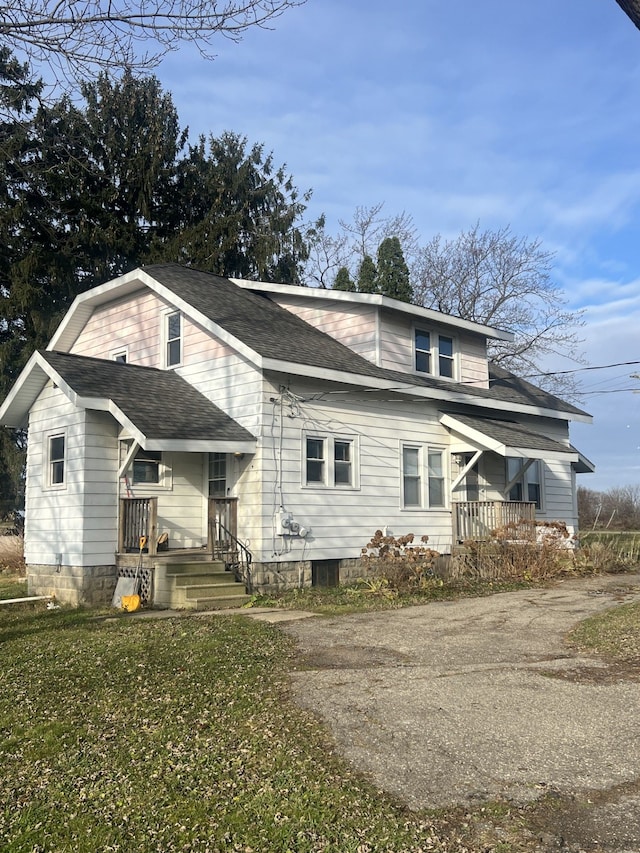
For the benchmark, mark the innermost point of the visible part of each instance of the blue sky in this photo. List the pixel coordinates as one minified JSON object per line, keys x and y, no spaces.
{"x":518,"y":114}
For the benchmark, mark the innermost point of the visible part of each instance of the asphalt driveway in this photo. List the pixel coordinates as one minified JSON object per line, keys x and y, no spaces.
{"x":460,"y":702}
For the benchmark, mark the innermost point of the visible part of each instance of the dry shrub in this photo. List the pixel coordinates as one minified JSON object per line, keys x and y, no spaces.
{"x":608,"y":556}
{"x":396,"y":565}
{"x":12,"y":555}
{"x":513,"y":553}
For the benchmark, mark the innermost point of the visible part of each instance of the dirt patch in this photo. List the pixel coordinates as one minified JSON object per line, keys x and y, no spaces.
{"x":351,"y":657}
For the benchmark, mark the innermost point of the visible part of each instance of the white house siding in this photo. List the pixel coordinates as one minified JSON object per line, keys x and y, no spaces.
{"x":134,"y":324}
{"x":70,"y":533}
{"x":54,"y":517}
{"x":230,"y":381}
{"x":353,"y":325}
{"x":342,"y":521}
{"x":397,"y":352}
{"x":100,"y":532}
{"x":181,"y":499}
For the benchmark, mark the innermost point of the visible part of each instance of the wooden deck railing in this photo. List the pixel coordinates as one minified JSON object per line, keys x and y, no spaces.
{"x":475,"y":520}
{"x":138,"y":517}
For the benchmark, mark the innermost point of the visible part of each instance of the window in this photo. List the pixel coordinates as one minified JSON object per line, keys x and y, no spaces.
{"x":436,"y":478}
{"x":56,"y":457}
{"x":434,"y":354}
{"x":217,"y":475}
{"x":342,"y":467}
{"x":445,"y":356}
{"x":411,"y":480}
{"x":423,"y":351}
{"x":330,"y":461}
{"x":413,"y":477}
{"x":525,"y":484}
{"x":173,"y":339}
{"x":146,"y":467}
{"x":315,"y":460}
{"x":120,"y":356}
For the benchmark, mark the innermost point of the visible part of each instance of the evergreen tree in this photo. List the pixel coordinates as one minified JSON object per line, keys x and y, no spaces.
{"x":393,"y":272}
{"x":90,"y":191}
{"x":234,"y":214}
{"x":343,"y":281}
{"x":367,"y":276}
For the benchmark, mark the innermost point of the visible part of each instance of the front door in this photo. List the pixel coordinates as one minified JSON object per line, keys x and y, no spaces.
{"x":472,"y":479}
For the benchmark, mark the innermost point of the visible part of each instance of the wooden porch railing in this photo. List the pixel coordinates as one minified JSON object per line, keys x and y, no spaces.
{"x":476,"y":519}
{"x":138,"y":517}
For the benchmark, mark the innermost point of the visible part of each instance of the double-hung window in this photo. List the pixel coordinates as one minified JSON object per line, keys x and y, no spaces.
{"x":415,"y":477}
{"x":524,"y":481}
{"x":434,"y":354}
{"x":56,"y":458}
{"x":330,"y":461}
{"x":173,"y":339}
{"x":411,"y":477}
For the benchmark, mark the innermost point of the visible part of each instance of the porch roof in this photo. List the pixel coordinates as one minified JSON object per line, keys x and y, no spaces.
{"x":508,"y":438}
{"x":157,"y":408}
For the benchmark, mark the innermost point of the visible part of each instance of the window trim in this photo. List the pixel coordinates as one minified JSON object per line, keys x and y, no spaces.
{"x":120,"y":355}
{"x":329,"y":461}
{"x":523,"y":480}
{"x":49,"y":483}
{"x":433,"y":353}
{"x":164,"y":473}
{"x":167,"y":341}
{"x":424,"y":476}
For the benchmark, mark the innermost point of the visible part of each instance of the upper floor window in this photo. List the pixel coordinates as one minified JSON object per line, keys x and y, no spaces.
{"x":524,"y":482}
{"x":120,"y":356}
{"x":330,"y":461}
{"x":434,"y":354}
{"x":173,"y":338}
{"x":56,"y":451}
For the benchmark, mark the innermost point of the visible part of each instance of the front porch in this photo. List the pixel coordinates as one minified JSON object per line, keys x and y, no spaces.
{"x":475,"y":520}
{"x":198,"y":573}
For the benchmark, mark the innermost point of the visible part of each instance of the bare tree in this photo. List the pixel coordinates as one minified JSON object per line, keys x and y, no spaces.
{"x":327,"y":254}
{"x":76,"y":38}
{"x":504,"y":281}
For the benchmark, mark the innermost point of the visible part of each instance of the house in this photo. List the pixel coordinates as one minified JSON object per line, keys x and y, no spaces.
{"x":272,"y":427}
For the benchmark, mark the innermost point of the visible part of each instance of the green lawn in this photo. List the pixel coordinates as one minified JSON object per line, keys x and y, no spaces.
{"x":132,"y":735}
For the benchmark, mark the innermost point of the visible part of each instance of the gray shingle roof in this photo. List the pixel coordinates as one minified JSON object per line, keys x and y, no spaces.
{"x":275,"y":333}
{"x":161,"y":404}
{"x":512,"y":434}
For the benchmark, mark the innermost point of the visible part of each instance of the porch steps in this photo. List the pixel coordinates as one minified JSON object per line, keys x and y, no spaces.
{"x":203,"y":586}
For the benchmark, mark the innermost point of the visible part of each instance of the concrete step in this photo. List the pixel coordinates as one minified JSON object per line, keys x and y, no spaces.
{"x":212,"y":590}
{"x":195,"y":568}
{"x":220,"y":603}
{"x":220,"y":578}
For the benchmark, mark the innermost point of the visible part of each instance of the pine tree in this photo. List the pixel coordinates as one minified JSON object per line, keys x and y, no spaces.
{"x":343,"y":281}
{"x":393,"y":272}
{"x":367,"y":276}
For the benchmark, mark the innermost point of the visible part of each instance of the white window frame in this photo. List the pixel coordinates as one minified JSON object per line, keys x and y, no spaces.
{"x":329,"y":461}
{"x":406,"y":446}
{"x":50,"y":461}
{"x":164,"y":474}
{"x":425,"y":476}
{"x":121,"y":355}
{"x":168,"y":341}
{"x":527,"y":475}
{"x":434,"y":354}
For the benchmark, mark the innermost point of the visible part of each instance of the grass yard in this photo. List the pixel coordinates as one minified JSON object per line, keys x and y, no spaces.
{"x":614,"y":633}
{"x":168,"y":735}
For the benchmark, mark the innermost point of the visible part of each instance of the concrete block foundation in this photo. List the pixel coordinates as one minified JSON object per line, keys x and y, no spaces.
{"x":91,"y":586}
